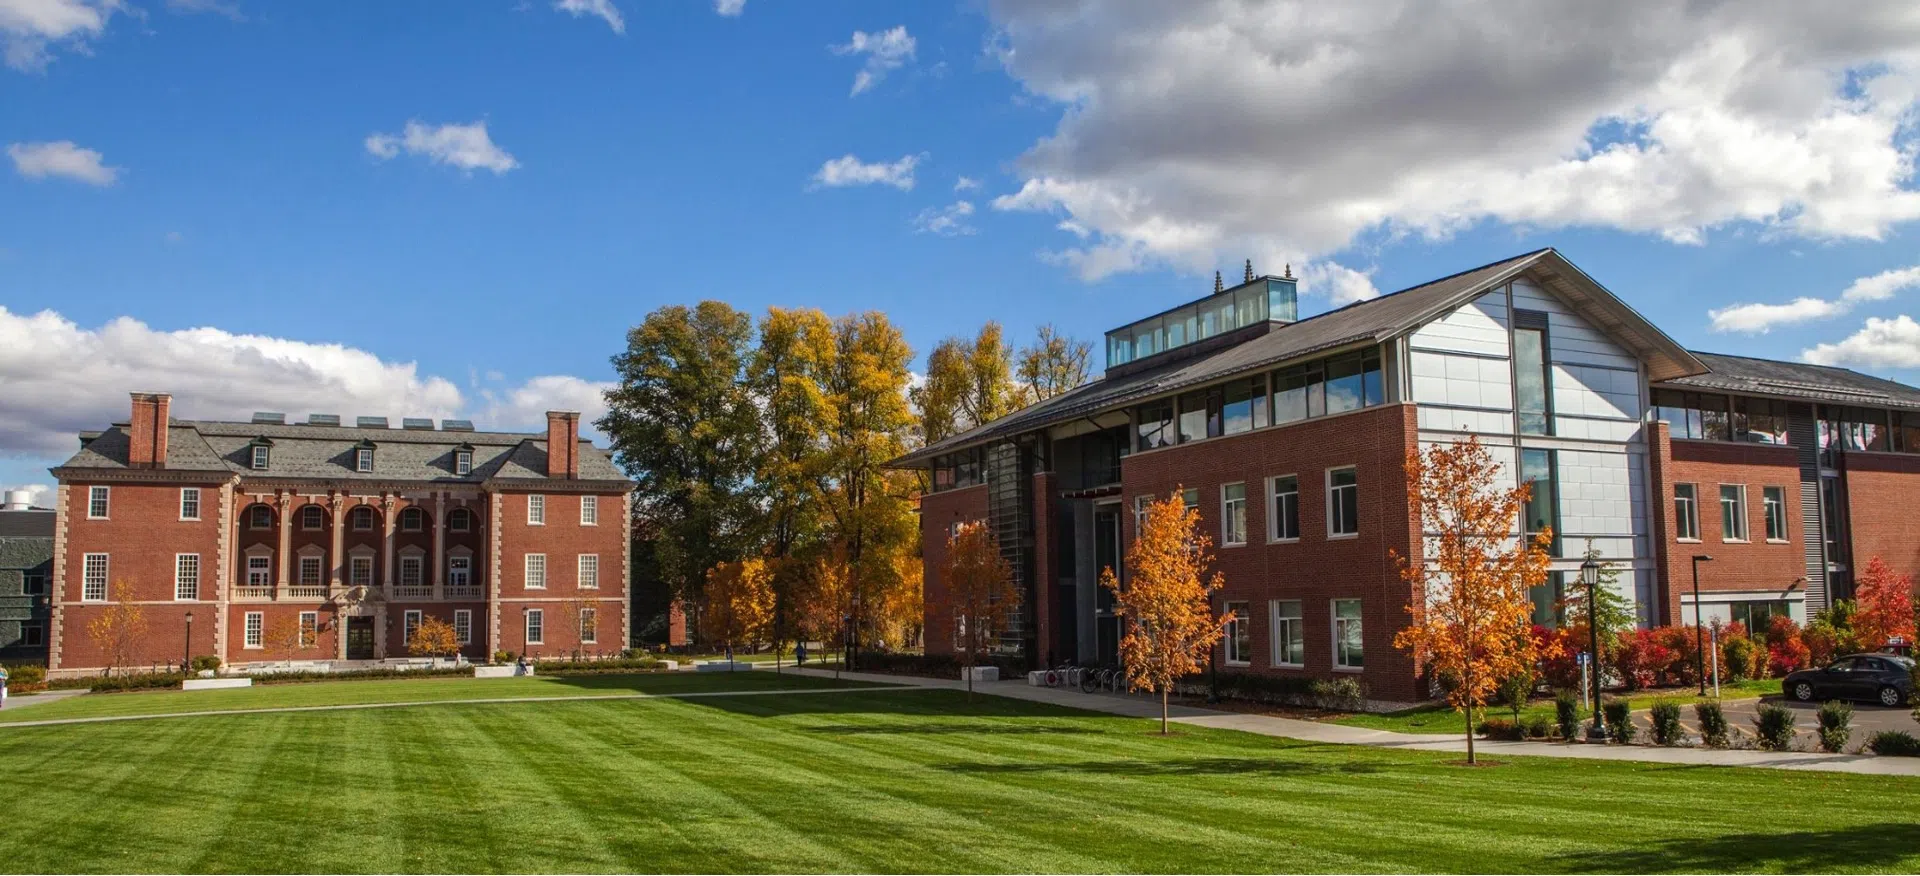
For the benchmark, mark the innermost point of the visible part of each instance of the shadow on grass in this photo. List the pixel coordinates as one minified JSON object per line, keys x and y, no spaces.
{"x":918,"y":729}
{"x":1872,"y":847}
{"x":1197,"y":766}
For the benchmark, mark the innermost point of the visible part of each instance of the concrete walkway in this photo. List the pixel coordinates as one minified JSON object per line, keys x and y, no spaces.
{"x":19,"y":701}
{"x":1142,"y":706}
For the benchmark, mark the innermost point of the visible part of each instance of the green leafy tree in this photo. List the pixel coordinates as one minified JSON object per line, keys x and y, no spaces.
{"x":683,"y":423}
{"x":1615,"y":611}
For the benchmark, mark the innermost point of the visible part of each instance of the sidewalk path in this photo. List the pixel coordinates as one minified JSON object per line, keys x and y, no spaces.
{"x":18,"y":701}
{"x":1141,"y":706}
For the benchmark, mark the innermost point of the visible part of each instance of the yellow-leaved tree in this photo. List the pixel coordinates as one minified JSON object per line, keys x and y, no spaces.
{"x":739,"y":607}
{"x":433,"y":637}
{"x":1165,"y":607}
{"x":119,"y":628}
{"x":980,"y":596}
{"x":1472,"y":620}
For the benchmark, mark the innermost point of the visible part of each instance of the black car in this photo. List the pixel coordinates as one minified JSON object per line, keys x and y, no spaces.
{"x":1886,"y":679}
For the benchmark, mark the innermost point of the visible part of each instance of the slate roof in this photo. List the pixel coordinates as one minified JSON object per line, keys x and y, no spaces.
{"x":1796,"y":380}
{"x":36,"y":523}
{"x":1364,"y":322}
{"x":327,"y":453}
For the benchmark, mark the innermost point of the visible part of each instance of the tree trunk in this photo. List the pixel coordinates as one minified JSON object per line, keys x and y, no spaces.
{"x":1469,"y":735}
{"x":1163,"y":710}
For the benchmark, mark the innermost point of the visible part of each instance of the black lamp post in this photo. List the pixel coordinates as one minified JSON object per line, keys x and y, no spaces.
{"x":1590,"y":579}
{"x":186,"y":655}
{"x":1699,"y":630}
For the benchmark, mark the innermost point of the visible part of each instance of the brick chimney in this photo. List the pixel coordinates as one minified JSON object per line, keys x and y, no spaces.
{"x":147,"y":431}
{"x":563,"y":444}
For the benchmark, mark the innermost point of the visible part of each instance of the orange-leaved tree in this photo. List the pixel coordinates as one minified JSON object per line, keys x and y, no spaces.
{"x":119,"y":628}
{"x":1166,"y":605}
{"x":980,"y":596}
{"x":1471,"y":615}
{"x":739,"y":599}
{"x":433,"y":637}
{"x":1882,"y":605}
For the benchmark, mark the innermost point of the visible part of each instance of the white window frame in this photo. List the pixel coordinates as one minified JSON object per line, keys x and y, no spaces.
{"x":1140,"y":504}
{"x":253,"y":628}
{"x":530,"y":573}
{"x":587,"y":572}
{"x":309,"y":628}
{"x":99,"y":503}
{"x":1690,"y":521}
{"x":416,"y":515}
{"x":254,"y":511}
{"x":93,"y":578}
{"x":318,"y":514}
{"x":589,"y":625}
{"x":319,"y":570}
{"x":463,"y":625}
{"x":262,"y":455}
{"x":186,"y":577}
{"x":1338,"y":627}
{"x":260,"y":570}
{"x":463,"y":515}
{"x":535,"y":624}
{"x":413,"y":570}
{"x":536,"y":509}
{"x":359,"y":513}
{"x":1775,"y":511}
{"x":589,"y":510}
{"x":459,"y":571}
{"x":363,"y":459}
{"x":1729,"y":523}
{"x":1226,"y":515}
{"x":1274,"y":517}
{"x":462,"y":462}
{"x":189,"y":497}
{"x":354,"y":565}
{"x":1229,"y":647}
{"x":409,"y":625}
{"x":1284,"y":629}
{"x":1332,"y":514}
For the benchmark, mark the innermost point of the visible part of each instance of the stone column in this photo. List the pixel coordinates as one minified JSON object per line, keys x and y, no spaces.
{"x":338,"y":562}
{"x":386,"y":542}
{"x":440,"y":546}
{"x":280,"y":577}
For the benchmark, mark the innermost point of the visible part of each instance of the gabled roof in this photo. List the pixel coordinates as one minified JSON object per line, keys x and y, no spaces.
{"x":1797,"y":380}
{"x":326,"y":453}
{"x":1362,"y":323}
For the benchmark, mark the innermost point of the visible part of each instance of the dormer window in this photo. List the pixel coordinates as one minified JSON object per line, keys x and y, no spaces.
{"x":363,"y":457}
{"x":260,"y":454}
{"x":463,"y":461}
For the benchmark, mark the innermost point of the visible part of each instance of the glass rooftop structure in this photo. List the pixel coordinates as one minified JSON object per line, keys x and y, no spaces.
{"x":1267,"y":299}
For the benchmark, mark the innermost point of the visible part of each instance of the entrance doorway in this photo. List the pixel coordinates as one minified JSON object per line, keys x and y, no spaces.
{"x":359,"y":638}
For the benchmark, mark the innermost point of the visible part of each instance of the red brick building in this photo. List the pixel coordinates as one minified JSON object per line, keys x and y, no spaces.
{"x":227,"y":533}
{"x":1290,"y":437}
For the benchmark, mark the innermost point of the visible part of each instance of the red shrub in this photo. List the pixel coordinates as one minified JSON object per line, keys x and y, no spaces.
{"x":1563,"y":670}
{"x":1639,"y":658}
{"x":1785,"y":650}
{"x":1682,"y":664}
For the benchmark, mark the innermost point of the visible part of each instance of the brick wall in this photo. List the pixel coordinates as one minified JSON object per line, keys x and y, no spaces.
{"x":1755,"y":564}
{"x":562,"y":538}
{"x":1881,"y":494}
{"x":938,"y":513}
{"x":141,"y":536}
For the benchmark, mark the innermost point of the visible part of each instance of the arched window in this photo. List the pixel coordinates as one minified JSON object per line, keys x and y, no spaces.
{"x":413,"y":520}
{"x":460,"y":520}
{"x":311,"y":517}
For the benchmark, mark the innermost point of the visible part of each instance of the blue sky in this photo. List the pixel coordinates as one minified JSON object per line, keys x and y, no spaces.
{"x":244,"y":169}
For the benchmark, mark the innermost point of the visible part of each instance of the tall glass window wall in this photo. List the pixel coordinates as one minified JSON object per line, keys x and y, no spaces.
{"x":1329,"y":386}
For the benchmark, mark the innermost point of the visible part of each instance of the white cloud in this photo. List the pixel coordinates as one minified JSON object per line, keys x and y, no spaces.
{"x":602,"y":9}
{"x":886,"y":51}
{"x":467,"y":147}
{"x":38,"y":495}
{"x":965,"y":184}
{"x":61,"y":158}
{"x":1882,"y":343}
{"x":1193,"y":132}
{"x":29,"y":27}
{"x":1759,"y":318}
{"x":62,"y":378}
{"x":730,"y":8}
{"x":219,"y":7}
{"x":948,"y":221}
{"x":850,"y":171}
{"x":1341,"y":284}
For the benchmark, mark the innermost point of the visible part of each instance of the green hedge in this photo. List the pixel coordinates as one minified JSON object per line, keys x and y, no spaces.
{"x":1345,"y":694}
{"x":609,"y":666}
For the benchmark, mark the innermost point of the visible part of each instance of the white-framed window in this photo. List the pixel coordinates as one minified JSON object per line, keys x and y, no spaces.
{"x":259,"y":517}
{"x":312,"y":518}
{"x":1733,"y":512}
{"x":260,"y":571}
{"x":589,"y":626}
{"x":459,"y":520}
{"x":97,"y":502}
{"x":1349,"y":651}
{"x":1190,"y":497}
{"x":536,"y":571}
{"x":409,"y":624}
{"x":360,"y":571}
{"x":413,"y":520}
{"x":311,"y":570}
{"x":363,"y":459}
{"x":459,"y":571}
{"x":362,"y":519}
{"x":1686,"y":513}
{"x":410,"y":571}
{"x":261,"y":456}
{"x":1775,"y":501}
{"x":589,"y":571}
{"x":309,"y":628}
{"x":536,"y":510}
{"x":93,"y":578}
{"x":536,"y":627}
{"x":1343,"y":502}
{"x":463,"y":625}
{"x":186,"y":576}
{"x":463,"y":462}
{"x":1239,"y":638}
{"x":189,"y":503}
{"x":1289,"y":635}
{"x":1233,"y":514}
{"x":1140,"y":504}
{"x":255,"y":629}
{"x":589,"y":510}
{"x":1283,"y":508}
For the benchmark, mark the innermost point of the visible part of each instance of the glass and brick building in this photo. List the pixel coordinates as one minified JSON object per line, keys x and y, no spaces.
{"x":228,"y":532}
{"x":1290,"y":436}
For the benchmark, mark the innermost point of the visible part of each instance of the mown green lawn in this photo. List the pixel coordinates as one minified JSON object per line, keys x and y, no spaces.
{"x":879,"y":780}
{"x":1441,"y":718}
{"x":406,"y":690}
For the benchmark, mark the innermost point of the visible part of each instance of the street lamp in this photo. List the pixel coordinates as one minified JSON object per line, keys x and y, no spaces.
{"x":186,"y":656}
{"x":1590,"y":579}
{"x":1699,"y":630}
